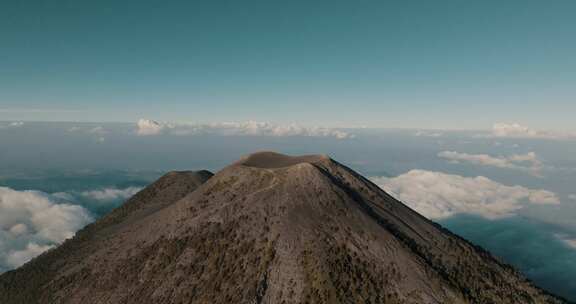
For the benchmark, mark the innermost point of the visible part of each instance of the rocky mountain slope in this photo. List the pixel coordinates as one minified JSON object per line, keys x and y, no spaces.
{"x":267,"y":229}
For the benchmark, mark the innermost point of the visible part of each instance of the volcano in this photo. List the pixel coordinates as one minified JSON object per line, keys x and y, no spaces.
{"x":268,"y":228}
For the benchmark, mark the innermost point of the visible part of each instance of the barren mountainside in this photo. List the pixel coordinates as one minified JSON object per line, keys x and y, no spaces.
{"x":269,"y":229}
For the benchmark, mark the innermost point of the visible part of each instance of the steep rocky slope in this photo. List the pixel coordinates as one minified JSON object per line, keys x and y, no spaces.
{"x":267,"y":229}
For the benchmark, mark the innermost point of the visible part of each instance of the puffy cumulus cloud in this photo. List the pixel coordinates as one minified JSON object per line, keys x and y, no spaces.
{"x":526,"y":162}
{"x":151,"y":127}
{"x":111,"y":194}
{"x":438,"y":195}
{"x":250,"y":128}
{"x":512,"y":130}
{"x":515,"y":130}
{"x":33,"y":221}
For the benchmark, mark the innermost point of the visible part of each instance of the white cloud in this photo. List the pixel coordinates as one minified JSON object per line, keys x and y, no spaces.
{"x":14,"y":124}
{"x":424,"y":133}
{"x":570,"y":241}
{"x":33,"y":221}
{"x":62,"y":196}
{"x":19,"y":257}
{"x":572,"y":196}
{"x":18,"y":229}
{"x":515,"y":130}
{"x":111,"y":194}
{"x":528,"y":157}
{"x":98,"y":130}
{"x":512,"y":130}
{"x":250,"y":128}
{"x":527,"y":162}
{"x":439,"y":195}
{"x":151,"y":127}
{"x":543,"y":197}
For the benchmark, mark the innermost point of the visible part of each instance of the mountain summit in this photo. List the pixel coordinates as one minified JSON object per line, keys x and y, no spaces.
{"x":269,"y":228}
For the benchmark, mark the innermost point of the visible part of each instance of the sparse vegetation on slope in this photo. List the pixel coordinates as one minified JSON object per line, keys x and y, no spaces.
{"x":267,"y":229}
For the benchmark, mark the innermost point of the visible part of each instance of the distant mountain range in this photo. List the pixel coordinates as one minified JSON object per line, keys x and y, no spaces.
{"x":268,"y":228}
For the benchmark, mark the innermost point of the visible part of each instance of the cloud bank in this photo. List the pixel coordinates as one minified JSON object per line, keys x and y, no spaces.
{"x":515,"y":130}
{"x":438,"y":195}
{"x":32,"y":222}
{"x":146,"y":127}
{"x":525,"y":162}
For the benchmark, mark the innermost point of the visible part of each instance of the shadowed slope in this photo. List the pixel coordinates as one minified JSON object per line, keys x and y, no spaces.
{"x":31,"y":281}
{"x":276,"y":229}
{"x":166,"y":190}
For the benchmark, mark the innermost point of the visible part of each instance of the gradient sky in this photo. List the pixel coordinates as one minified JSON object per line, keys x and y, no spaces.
{"x":423,"y":64}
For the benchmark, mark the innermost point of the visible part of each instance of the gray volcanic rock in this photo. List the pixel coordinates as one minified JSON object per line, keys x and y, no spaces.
{"x":267,"y":229}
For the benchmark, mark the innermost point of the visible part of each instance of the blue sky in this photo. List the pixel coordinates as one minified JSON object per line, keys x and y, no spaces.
{"x":99,"y":98}
{"x":419,"y":64}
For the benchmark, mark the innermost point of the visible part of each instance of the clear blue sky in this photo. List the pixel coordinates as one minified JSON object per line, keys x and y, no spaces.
{"x":422,"y":64}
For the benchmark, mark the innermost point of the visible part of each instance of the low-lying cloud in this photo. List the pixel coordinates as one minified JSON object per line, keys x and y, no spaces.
{"x":13,"y":124}
{"x":96,"y":132}
{"x":525,"y":162}
{"x":147,"y":127}
{"x":111,"y":194}
{"x":438,"y":195}
{"x":515,"y":130}
{"x":32,"y":222}
{"x":17,"y":258}
{"x":570,"y":241}
{"x":428,"y":133}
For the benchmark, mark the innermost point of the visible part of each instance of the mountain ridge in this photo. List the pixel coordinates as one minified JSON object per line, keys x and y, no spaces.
{"x":271,"y":228}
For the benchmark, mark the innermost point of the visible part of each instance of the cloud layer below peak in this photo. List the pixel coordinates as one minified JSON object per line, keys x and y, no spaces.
{"x":249,"y":128}
{"x":438,"y":195}
{"x":32,"y":222}
{"x":515,"y":130}
{"x":525,"y":162}
{"x":111,"y":194}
